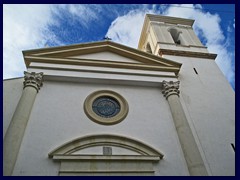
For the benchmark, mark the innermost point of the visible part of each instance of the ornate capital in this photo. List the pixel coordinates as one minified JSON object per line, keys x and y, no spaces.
{"x":170,"y":88}
{"x":33,"y":79}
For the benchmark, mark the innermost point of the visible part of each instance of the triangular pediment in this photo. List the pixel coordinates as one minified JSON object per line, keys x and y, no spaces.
{"x":103,"y":53}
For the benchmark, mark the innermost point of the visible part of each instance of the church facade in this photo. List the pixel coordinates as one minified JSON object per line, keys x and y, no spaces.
{"x":102,"y":108}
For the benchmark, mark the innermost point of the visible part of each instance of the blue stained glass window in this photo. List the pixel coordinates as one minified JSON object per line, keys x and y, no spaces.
{"x":106,"y":106}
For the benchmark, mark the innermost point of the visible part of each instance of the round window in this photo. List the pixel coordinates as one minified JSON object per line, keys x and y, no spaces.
{"x":106,"y":107}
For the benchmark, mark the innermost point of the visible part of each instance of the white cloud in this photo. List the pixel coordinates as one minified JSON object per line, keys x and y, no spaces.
{"x":223,"y":59}
{"x":23,"y":27}
{"x":208,"y":24}
{"x":126,"y":29}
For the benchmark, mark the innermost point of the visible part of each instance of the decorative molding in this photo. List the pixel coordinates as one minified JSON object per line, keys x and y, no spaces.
{"x":180,"y":45}
{"x":129,"y":73}
{"x":102,"y":63}
{"x":173,"y":25}
{"x":170,"y":20}
{"x":88,"y":48}
{"x":96,"y":164}
{"x":187,"y":53}
{"x":170,"y":88}
{"x":33,"y":79}
{"x":105,"y":140}
{"x":106,"y":157}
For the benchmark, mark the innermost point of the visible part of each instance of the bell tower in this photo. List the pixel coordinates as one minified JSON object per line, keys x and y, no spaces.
{"x":162,"y":35}
{"x":204,"y":94}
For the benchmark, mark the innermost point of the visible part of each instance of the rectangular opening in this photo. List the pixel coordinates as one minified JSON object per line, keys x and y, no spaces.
{"x":233,"y":147}
{"x":195,"y":70}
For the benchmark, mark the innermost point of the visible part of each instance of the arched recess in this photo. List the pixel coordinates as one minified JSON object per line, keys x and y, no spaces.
{"x":176,"y":36}
{"x":81,"y":164}
{"x":105,"y":140}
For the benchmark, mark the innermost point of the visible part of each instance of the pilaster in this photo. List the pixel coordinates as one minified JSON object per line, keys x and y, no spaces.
{"x":189,"y":147}
{"x":15,"y":132}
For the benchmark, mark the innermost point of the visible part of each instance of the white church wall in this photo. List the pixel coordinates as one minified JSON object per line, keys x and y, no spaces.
{"x":58,"y":117}
{"x":12,"y":91}
{"x":208,"y":100}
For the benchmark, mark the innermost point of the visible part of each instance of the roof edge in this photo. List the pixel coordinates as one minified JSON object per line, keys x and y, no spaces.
{"x":110,"y":44}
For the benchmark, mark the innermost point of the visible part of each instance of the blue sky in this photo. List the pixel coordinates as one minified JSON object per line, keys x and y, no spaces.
{"x":36,"y":26}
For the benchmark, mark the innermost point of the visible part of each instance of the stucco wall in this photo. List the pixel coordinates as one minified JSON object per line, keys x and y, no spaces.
{"x":12,"y":90}
{"x":58,"y":117}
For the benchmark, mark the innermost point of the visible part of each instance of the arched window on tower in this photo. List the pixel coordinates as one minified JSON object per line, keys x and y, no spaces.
{"x":148,"y":48}
{"x":175,"y":35}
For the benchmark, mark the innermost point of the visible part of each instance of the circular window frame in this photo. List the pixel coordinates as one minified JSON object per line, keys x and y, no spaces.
{"x":120,"y":116}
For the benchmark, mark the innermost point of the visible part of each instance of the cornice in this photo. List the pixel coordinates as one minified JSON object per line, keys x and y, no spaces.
{"x":128,"y":73}
{"x":172,"y":25}
{"x":188,"y":54}
{"x":102,"y":63}
{"x":170,"y":20}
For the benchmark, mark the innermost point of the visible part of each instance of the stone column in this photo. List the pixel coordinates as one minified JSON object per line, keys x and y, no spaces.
{"x":15,"y":132}
{"x":189,"y":147}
